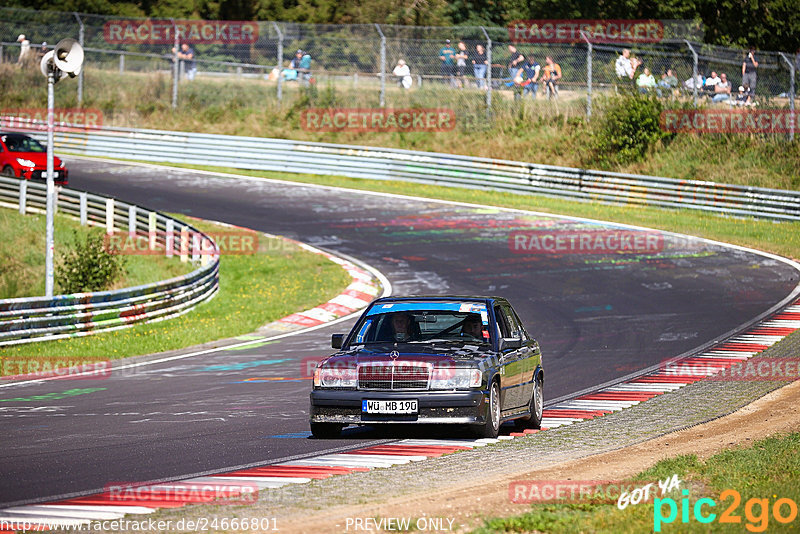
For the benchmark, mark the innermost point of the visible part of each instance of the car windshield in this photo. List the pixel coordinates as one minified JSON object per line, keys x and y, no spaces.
{"x":21,"y":143}
{"x":421,"y":322}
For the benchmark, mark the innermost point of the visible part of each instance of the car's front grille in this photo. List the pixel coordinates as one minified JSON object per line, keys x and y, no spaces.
{"x":398,"y":375}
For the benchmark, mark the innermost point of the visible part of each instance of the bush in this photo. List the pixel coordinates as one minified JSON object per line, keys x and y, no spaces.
{"x":87,"y":266}
{"x":629,"y":127}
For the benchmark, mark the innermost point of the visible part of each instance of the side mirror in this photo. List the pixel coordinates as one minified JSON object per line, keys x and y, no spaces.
{"x":337,"y":340}
{"x":510,"y":343}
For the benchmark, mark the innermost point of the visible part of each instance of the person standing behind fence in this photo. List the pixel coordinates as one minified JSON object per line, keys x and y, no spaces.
{"x":403,"y":74}
{"x":186,"y":55}
{"x":24,"y":49}
{"x":531,"y":83}
{"x":480,"y":63}
{"x":447,"y":56}
{"x":461,"y":62}
{"x":625,"y":67}
{"x":552,"y":74}
{"x":514,"y":62}
{"x":749,"y":66}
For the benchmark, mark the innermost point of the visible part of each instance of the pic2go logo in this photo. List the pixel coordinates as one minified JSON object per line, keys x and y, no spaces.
{"x":756,"y":511}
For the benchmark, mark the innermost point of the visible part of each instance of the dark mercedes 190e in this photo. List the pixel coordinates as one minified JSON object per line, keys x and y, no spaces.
{"x":440,"y":360}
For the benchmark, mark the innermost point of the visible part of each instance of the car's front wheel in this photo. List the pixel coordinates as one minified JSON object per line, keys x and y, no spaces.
{"x":491,"y":428}
{"x":8,"y":170}
{"x":326,"y":430}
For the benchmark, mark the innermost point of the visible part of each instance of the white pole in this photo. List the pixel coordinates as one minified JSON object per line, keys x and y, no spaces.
{"x":50,"y":247}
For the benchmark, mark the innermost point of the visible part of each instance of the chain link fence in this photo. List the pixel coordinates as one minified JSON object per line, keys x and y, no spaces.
{"x":356,"y":64}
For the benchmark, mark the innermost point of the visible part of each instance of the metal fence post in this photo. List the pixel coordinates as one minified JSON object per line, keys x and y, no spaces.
{"x":791,"y":93}
{"x":694,"y":70}
{"x":280,"y":60}
{"x":383,"y":66}
{"x":170,"y":240}
{"x":83,"y":208}
{"x":80,"y":75}
{"x":488,"y":72}
{"x":588,"y":76}
{"x":122,"y":63}
{"x":132,"y":221}
{"x":109,"y":216}
{"x":152,"y":230}
{"x":176,"y":44}
{"x":23,"y":196}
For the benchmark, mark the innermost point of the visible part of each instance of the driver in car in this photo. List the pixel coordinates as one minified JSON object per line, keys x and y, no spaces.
{"x":402,"y":325}
{"x":472,"y":327}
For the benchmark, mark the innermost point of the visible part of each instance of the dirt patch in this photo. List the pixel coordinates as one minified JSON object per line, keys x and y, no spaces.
{"x":468,"y":506}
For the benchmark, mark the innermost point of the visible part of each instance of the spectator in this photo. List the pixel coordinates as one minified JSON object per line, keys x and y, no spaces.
{"x":552,"y":74}
{"x":646,"y":82}
{"x":403,"y":74}
{"x":625,"y":67}
{"x":514,"y":62}
{"x":668,"y":81}
{"x":531,"y":69}
{"x":302,"y":64}
{"x":24,"y":49}
{"x":186,"y":55}
{"x":722,"y":91}
{"x":461,"y":62}
{"x":744,"y":98}
{"x":691,"y":83}
{"x":479,"y":65}
{"x":749,"y":66}
{"x":710,"y":83}
{"x":447,"y":56}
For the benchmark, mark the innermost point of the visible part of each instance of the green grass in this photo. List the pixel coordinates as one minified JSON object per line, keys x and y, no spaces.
{"x":782,"y":238}
{"x":540,"y":131}
{"x":769,"y":469}
{"x":254,"y":290}
{"x":22,"y":251}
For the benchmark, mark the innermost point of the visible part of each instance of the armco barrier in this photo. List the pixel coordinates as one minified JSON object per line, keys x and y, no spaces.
{"x":425,"y":167}
{"x":24,"y":320}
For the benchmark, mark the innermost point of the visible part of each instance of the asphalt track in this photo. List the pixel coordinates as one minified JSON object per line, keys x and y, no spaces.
{"x":597,"y":317}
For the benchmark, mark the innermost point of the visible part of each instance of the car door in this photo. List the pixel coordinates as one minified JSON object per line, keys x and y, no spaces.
{"x":527,"y":358}
{"x":511,"y":371}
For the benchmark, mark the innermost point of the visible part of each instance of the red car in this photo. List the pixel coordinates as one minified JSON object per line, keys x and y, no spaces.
{"x":22,"y":156}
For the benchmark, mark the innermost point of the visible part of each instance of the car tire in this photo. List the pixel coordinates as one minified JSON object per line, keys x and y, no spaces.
{"x":534,"y":420}
{"x":491,"y":428}
{"x":326,"y":430}
{"x":8,"y":170}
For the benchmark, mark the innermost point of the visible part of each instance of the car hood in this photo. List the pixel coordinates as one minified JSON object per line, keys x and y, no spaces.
{"x":437,"y":353}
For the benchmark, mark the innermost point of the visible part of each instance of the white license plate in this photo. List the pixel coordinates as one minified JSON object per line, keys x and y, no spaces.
{"x":389,"y":406}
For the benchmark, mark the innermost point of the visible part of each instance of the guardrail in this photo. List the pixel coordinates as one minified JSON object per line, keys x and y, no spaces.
{"x":25,"y":320}
{"x":425,"y":167}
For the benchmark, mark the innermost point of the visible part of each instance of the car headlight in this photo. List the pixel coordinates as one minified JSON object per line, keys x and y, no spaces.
{"x":335,"y":377}
{"x":26,"y":162}
{"x":455,"y":378}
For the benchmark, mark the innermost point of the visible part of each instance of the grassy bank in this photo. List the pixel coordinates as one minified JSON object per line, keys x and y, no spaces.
{"x":537,"y":131}
{"x":765,"y":472}
{"x":254,"y":289}
{"x":22,"y":251}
